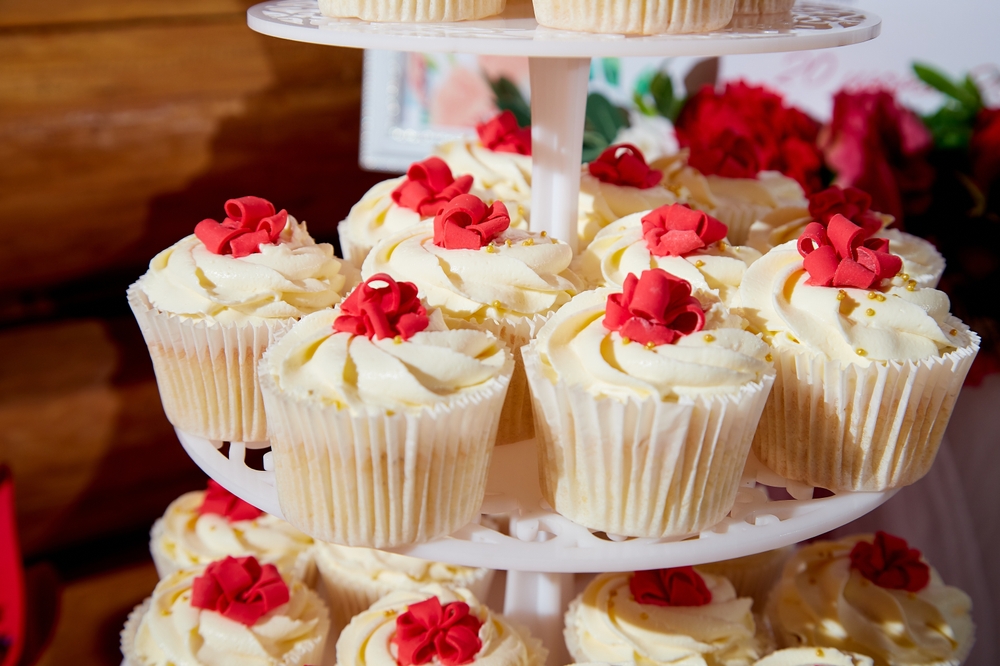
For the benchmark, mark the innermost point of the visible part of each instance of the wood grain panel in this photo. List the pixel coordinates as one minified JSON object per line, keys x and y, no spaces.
{"x":31,"y":13}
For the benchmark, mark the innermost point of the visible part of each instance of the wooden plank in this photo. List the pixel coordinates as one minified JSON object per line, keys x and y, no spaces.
{"x":31,"y":13}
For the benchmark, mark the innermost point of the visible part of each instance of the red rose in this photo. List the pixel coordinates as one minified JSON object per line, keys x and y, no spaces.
{"x":746,"y":129}
{"x":623,"y":164}
{"x":467,"y":223}
{"x":680,"y":586}
{"x":675,"y":230}
{"x":240,"y":589}
{"x":428,"y":186}
{"x":250,"y":222}
{"x":428,"y":629}
{"x":382,"y":312}
{"x":876,"y":145}
{"x":841,"y":255}
{"x":656,"y":308}
{"x":890,"y":563}
{"x":984,"y":148}
{"x":220,"y":501}
{"x":850,"y":202}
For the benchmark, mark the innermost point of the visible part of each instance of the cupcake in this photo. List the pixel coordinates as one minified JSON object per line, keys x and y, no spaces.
{"x":234,"y":611}
{"x":684,"y":242}
{"x":616,"y":184}
{"x":922,"y":263}
{"x":868,"y":364}
{"x":211,"y":303}
{"x":754,"y":7}
{"x":753,"y":575}
{"x":435,"y":625}
{"x":875,"y":596}
{"x":813,"y":656}
{"x":355,"y":578}
{"x":484,"y":275}
{"x":646,"y":401}
{"x":666,"y":616}
{"x":411,"y":11}
{"x":634,"y":17}
{"x":381,"y":419}
{"x":207,"y":525}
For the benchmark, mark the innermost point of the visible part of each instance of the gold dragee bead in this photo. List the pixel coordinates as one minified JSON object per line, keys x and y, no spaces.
{"x":722,"y":245}
{"x":497,"y":305}
{"x":870,"y":312}
{"x":544,"y":234}
{"x":871,"y":295}
{"x":528,"y":241}
{"x":860,"y":352}
{"x":626,"y":341}
{"x":398,"y":340}
{"x":911,"y":285}
{"x":953,"y":331}
{"x":904,"y":276}
{"x":709,"y":337}
{"x":699,"y":263}
{"x":768,"y":358}
{"x":490,"y":248}
{"x":841,"y":295}
{"x":507,"y":242}
{"x":650,"y":344}
{"x":879,"y":297}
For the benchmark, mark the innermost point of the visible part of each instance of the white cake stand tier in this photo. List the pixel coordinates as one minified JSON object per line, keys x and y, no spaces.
{"x":560,"y":68}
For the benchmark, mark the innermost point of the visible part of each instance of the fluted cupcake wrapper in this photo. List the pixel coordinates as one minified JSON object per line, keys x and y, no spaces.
{"x":739,"y":217}
{"x":865,"y":428}
{"x":206,"y":373}
{"x":645,"y":17}
{"x":762,"y":6}
{"x":754,"y":575}
{"x":412,"y":11}
{"x":381,"y":479}
{"x":644,"y":468}
{"x":353,"y":253}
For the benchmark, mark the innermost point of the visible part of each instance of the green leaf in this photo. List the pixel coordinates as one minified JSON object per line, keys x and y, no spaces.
{"x":612,"y":70}
{"x":662,"y":90}
{"x":973,"y":90}
{"x":641,"y":105}
{"x":604,"y":117}
{"x":593,"y":145}
{"x":509,"y":98}
{"x":937,"y":80}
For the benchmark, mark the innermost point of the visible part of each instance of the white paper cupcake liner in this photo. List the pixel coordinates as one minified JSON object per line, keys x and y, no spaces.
{"x":644,"y":468}
{"x":739,"y":217}
{"x":129,"y":631}
{"x":863,"y":428}
{"x":353,"y":253}
{"x":762,"y":6}
{"x":380,"y":479}
{"x":207,"y":373}
{"x":645,"y":17}
{"x":412,"y":11}
{"x":754,"y":575}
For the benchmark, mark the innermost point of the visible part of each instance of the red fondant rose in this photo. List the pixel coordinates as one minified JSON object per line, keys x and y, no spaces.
{"x":841,"y":256}
{"x":467,"y":223}
{"x":656,"y":307}
{"x":682,"y":586}
{"x":623,"y":164}
{"x":503,"y":135}
{"x":429,"y":185}
{"x":250,"y":221}
{"x":382,"y":312}
{"x":240,"y":589}
{"x":428,"y":629}
{"x":890,"y":563}
{"x":220,"y":501}
{"x":850,"y":202}
{"x":675,"y":230}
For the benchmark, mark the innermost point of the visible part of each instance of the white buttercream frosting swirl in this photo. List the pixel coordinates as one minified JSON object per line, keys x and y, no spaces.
{"x":814,"y":656}
{"x":620,"y":249}
{"x":188,"y":539}
{"x":575,"y":347}
{"x":900,"y":322}
{"x":607,"y":624}
{"x":522,"y":274}
{"x":367,"y":640}
{"x":392,"y":571}
{"x":603,"y":203}
{"x":313,"y":363}
{"x":821,"y":601}
{"x":174,"y":633}
{"x":507,"y":176}
{"x":288,"y":279}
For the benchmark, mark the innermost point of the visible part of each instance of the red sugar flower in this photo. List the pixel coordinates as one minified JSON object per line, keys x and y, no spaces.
{"x":852,"y":203}
{"x":239,"y":589}
{"x":623,"y":164}
{"x":467,"y":223}
{"x":682,"y":586}
{"x":503,"y":135}
{"x":221,"y":502}
{"x":675,"y":230}
{"x":890,"y":563}
{"x":382,"y":312}
{"x":428,"y":186}
{"x":427,"y":630}
{"x":840,"y":256}
{"x":656,"y":307}
{"x":250,"y":221}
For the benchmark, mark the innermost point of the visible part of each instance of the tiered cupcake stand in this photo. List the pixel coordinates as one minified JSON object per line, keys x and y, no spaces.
{"x":541,"y":550}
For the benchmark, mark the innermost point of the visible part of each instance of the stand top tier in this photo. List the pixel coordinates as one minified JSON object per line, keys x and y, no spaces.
{"x":515,"y":33}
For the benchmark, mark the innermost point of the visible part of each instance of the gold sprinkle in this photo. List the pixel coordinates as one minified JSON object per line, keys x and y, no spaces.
{"x":841,"y":295}
{"x":860,"y":352}
{"x":709,"y":337}
{"x":520,"y":211}
{"x":553,"y":241}
{"x":544,"y":234}
{"x":791,"y":337}
{"x":643,"y":616}
{"x":953,"y":331}
{"x":911,"y":285}
{"x":870,"y":312}
{"x":528,"y":241}
{"x":699,"y":263}
{"x":497,"y":305}
{"x":768,"y":358}
{"x":820,"y":653}
{"x":872,"y":296}
{"x":388,"y":613}
{"x":722,"y":245}
{"x":626,"y":341}
{"x":904,"y":276}
{"x":650,"y":344}
{"x":507,"y":242}
{"x":398,"y":340}
{"x":879,"y":297}
{"x":490,"y":248}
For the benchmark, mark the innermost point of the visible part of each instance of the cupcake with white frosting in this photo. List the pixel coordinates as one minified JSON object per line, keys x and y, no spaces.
{"x":626,"y":384}
{"x":381,"y":419}
{"x":207,"y":525}
{"x":211,"y":303}
{"x":635,"y":17}
{"x":234,"y":611}
{"x":665,"y":616}
{"x":814,"y":656}
{"x":435,"y":625}
{"x":752,"y":575}
{"x":684,"y":242}
{"x":873,"y":595}
{"x":410,"y":11}
{"x":869,"y":364}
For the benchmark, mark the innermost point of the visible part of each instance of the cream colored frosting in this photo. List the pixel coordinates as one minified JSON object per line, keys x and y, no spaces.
{"x":507,"y":176}
{"x":313,"y":363}
{"x":392,"y":571}
{"x":905,"y":324}
{"x":603,"y":203}
{"x":575,"y":347}
{"x":821,"y":601}
{"x":367,"y":639}
{"x":814,"y":656}
{"x":606,"y":624}
{"x":188,"y":539}
{"x":292,"y":278}
{"x":619,"y":249}
{"x":174,"y":633}
{"x":528,"y":277}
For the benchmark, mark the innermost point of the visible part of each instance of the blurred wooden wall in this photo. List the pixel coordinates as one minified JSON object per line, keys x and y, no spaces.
{"x":122,"y":124}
